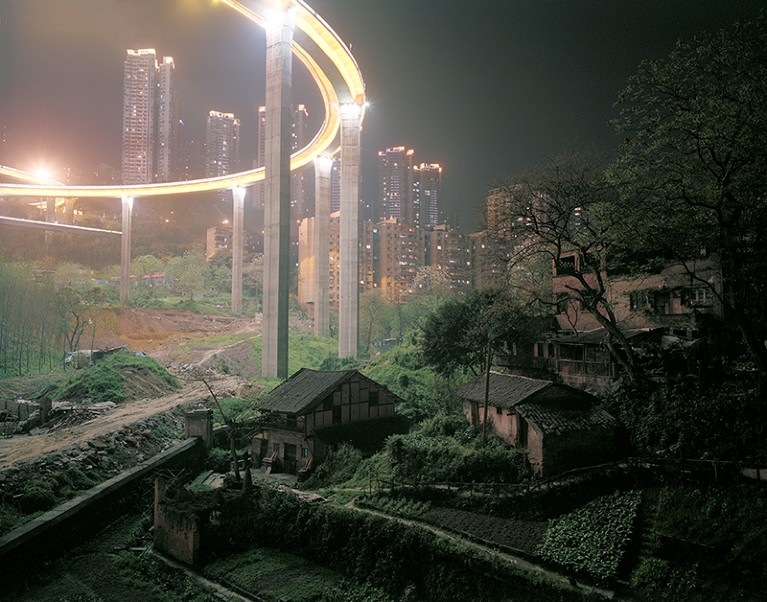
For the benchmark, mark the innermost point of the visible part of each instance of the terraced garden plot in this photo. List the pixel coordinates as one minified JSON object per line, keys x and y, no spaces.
{"x":519,"y":534}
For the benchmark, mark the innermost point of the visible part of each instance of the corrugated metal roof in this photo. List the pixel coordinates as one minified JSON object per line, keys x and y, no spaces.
{"x":506,"y":390}
{"x":302,"y":389}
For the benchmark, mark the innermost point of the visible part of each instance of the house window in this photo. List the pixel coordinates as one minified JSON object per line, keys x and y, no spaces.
{"x":337,"y":415}
{"x":373,"y":398}
{"x":700,"y":296}
{"x":304,"y":452}
{"x":565,"y":265}
{"x":638,"y":300}
{"x":498,"y":410}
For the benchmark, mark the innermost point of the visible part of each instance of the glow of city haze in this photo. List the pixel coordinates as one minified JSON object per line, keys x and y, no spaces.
{"x":351,"y":90}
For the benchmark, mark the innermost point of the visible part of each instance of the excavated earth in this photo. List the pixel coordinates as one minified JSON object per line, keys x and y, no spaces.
{"x":95,"y":443}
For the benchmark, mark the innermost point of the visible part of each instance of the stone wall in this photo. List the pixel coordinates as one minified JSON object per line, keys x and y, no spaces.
{"x":55,"y":531}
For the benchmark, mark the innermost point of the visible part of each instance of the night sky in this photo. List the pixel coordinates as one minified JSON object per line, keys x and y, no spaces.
{"x":484,"y":87}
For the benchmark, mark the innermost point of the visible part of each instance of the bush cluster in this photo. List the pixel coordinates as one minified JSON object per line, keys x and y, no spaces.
{"x":418,"y":458}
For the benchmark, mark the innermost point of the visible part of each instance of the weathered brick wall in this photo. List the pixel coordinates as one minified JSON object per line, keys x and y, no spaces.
{"x":176,"y":533}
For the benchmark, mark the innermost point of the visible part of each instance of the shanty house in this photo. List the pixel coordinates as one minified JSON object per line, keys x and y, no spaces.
{"x":312,"y":412}
{"x":559,"y":427}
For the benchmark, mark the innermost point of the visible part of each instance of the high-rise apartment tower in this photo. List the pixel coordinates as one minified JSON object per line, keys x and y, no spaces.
{"x":222,"y":146}
{"x":395,"y":183}
{"x":150,"y":119}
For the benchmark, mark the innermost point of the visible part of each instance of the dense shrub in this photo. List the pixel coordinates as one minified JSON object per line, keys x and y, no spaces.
{"x":680,"y":419}
{"x":395,"y":505}
{"x":422,"y":459}
{"x":657,"y":579}
{"x":423,"y":391}
{"x":339,"y":466}
{"x":592,"y":539}
{"x":8,"y":519}
{"x":729,"y":521}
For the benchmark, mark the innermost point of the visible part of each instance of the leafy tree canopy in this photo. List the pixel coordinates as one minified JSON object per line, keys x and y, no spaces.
{"x":692,"y":170}
{"x":459,"y":334}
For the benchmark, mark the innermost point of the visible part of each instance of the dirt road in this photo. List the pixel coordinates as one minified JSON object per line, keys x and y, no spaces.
{"x":24,"y":447}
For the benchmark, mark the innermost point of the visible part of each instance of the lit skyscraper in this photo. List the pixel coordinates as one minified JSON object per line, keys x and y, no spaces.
{"x":167,"y":124}
{"x":222,"y":147}
{"x":139,"y":80}
{"x":427,"y":190}
{"x":395,"y":183}
{"x":150,"y":150}
{"x":335,"y":185}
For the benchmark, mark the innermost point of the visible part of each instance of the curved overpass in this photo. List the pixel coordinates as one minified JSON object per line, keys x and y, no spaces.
{"x":316,"y":45}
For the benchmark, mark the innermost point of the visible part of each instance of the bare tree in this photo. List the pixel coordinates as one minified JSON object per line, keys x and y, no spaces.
{"x":561,"y":212}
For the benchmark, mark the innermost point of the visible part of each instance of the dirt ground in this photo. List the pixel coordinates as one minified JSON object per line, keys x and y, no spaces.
{"x":170,"y":337}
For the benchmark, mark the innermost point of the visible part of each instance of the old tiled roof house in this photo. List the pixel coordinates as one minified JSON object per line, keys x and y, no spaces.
{"x":559,"y":427}
{"x":312,"y":412}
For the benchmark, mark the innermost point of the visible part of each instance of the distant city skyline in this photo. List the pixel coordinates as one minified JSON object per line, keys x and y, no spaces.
{"x":484,"y":91}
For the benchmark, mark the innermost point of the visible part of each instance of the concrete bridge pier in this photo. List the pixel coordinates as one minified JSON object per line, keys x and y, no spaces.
{"x":348,"y":306}
{"x":238,"y":218}
{"x":322,"y":167}
{"x":125,"y":247}
{"x":278,"y":122}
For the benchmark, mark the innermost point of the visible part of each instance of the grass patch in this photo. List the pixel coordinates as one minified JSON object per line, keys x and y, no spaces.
{"x":274,"y":575}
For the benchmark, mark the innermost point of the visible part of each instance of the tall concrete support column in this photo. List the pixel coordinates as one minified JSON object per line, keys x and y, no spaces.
{"x":125,"y":244}
{"x":348,"y":305}
{"x":50,"y":217}
{"x":278,"y":122}
{"x":238,"y":230}
{"x":322,"y":167}
{"x":69,"y":209}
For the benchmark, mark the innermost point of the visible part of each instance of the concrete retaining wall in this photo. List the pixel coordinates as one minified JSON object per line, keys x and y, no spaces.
{"x":65,"y":526}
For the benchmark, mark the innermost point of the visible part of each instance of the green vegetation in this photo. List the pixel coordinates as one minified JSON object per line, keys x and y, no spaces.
{"x":105,"y":569}
{"x":394,"y":556}
{"x":339,"y":467}
{"x":105,"y":380}
{"x":31,"y":329}
{"x":418,"y":458}
{"x":403,"y":371}
{"x":683,"y":419}
{"x":396,"y":506}
{"x":709,"y":543}
{"x":274,"y":575}
{"x":593,"y":539}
